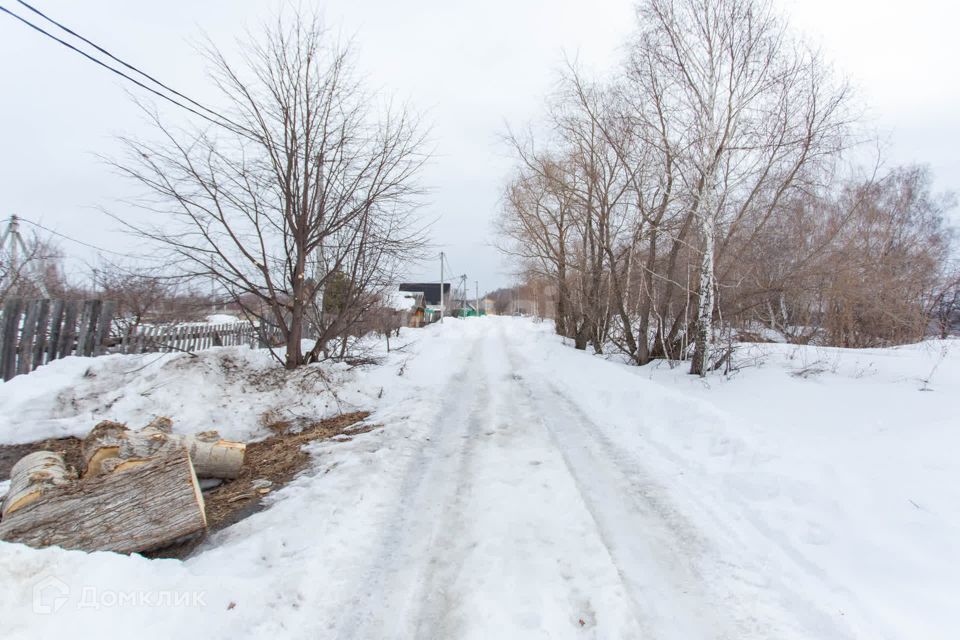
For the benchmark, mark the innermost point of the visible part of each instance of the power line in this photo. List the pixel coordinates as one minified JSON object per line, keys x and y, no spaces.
{"x":81,"y":242}
{"x":125,"y":63}
{"x":220,"y":121}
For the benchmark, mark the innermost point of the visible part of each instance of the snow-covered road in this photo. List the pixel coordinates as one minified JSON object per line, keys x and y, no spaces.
{"x":522,"y":489}
{"x":522,"y":516}
{"x":494,"y":532}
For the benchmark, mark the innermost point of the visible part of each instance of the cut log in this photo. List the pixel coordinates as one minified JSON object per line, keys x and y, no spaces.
{"x":147,"y":442}
{"x":215,"y":458}
{"x":101,"y":443}
{"x":33,"y":475}
{"x":212,"y":456}
{"x":141,"y":506}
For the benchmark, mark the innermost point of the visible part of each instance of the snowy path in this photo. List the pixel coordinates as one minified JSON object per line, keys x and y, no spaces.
{"x":521,"y":517}
{"x":522,"y":489}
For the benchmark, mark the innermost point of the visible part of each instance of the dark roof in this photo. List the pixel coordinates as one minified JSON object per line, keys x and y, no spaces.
{"x":430,"y":290}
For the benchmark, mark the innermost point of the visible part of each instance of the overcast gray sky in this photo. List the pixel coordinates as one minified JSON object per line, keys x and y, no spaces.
{"x":472,"y":67}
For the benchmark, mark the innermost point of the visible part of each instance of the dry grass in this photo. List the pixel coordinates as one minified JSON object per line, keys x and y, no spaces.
{"x":278,"y":459}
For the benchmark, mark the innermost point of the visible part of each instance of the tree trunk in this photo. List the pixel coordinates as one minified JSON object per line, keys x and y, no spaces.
{"x":141,"y":507}
{"x":700,"y":363}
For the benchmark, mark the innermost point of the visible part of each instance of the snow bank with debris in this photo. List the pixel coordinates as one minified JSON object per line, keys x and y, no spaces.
{"x":234,"y":390}
{"x":255,"y":574}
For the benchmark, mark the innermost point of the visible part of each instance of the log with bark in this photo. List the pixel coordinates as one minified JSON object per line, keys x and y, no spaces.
{"x":101,"y":443}
{"x":33,"y":475}
{"x":212,"y":456}
{"x":142,"y":505}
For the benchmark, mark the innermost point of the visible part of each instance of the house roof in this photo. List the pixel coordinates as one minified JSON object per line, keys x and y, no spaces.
{"x":430,"y":290}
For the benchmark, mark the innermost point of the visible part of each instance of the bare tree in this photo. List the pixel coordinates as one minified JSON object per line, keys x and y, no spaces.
{"x":309,"y":181}
{"x":752,"y":114}
{"x":32,"y":270}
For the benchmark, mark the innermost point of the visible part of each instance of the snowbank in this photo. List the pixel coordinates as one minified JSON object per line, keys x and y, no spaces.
{"x":231,"y":389}
{"x":259,"y":573}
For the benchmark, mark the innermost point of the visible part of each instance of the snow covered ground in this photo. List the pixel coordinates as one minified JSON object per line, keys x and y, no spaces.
{"x":519,"y":488}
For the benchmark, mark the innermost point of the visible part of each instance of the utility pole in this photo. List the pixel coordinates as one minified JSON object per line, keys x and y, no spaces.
{"x":441,"y":287}
{"x":12,"y":237}
{"x":476,"y":290}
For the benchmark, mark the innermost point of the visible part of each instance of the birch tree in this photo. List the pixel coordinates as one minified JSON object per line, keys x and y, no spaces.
{"x":751,"y":111}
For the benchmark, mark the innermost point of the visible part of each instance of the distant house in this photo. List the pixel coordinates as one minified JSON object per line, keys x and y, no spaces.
{"x":405,"y":301}
{"x":430,"y":291}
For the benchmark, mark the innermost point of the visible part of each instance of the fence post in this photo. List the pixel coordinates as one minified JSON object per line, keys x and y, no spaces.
{"x":69,"y":332}
{"x":91,"y":327}
{"x":25,"y":348}
{"x":11,"y":333}
{"x":84,"y":328}
{"x":103,"y":327}
{"x":56,"y":320}
{"x":40,"y":334}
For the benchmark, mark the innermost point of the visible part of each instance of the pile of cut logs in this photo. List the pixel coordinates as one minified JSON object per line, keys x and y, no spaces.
{"x":138,"y":491}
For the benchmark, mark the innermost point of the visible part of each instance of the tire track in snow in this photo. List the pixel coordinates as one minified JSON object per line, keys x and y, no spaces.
{"x":697,"y":574}
{"x":759,"y":584}
{"x":652,"y":546}
{"x":401,"y":594}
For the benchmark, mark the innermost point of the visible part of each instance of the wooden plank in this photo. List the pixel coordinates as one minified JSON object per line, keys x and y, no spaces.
{"x":142,"y":333}
{"x":125,"y":339}
{"x":83,"y":327}
{"x":150,"y":343}
{"x":160,"y":339}
{"x":68,"y":333}
{"x":148,"y":340}
{"x":25,"y":348}
{"x":104,"y":327}
{"x":136,"y":340}
{"x":56,"y":320}
{"x":95,"y":306}
{"x":12,"y":310}
{"x":40,"y":333}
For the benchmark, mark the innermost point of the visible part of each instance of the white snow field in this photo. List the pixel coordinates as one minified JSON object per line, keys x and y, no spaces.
{"x":522,"y":489}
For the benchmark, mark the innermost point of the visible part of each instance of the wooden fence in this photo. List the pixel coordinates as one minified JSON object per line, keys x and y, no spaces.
{"x":188,"y":337}
{"x":35,"y":332}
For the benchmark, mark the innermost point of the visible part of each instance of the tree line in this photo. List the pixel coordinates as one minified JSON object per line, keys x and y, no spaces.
{"x":709,"y":186}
